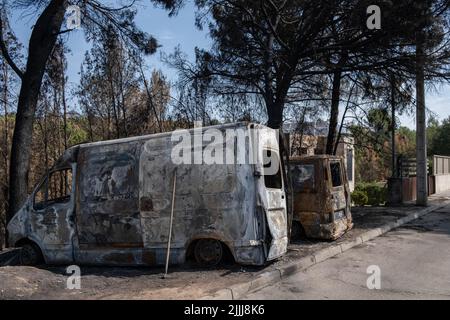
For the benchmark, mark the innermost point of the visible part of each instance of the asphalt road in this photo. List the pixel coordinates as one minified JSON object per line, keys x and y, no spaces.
{"x":413,"y":260}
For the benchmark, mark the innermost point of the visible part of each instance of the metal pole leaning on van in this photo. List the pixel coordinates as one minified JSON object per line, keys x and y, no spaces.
{"x":171,"y":221}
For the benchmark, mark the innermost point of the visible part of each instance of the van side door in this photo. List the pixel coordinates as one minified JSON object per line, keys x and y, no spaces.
{"x":107,"y":204}
{"x":338,"y":194}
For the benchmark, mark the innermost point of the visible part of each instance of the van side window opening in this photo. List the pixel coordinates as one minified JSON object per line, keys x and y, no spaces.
{"x":60,"y":186}
{"x":336,"y":175}
{"x":303,"y":177}
{"x":272,"y":180}
{"x":57,"y":188}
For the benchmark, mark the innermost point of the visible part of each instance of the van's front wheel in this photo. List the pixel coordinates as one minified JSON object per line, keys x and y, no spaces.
{"x":30,"y":255}
{"x":208,"y":252}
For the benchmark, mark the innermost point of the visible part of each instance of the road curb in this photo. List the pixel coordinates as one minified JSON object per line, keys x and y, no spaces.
{"x":263,"y":279}
{"x":327,"y":253}
{"x":267,"y":278}
{"x":298,"y":265}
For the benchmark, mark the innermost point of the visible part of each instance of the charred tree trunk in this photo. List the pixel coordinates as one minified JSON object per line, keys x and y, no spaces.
{"x":64,"y":103}
{"x":42,"y":41}
{"x":276,"y":108}
{"x":150,"y":103}
{"x":341,"y":126}
{"x":114,"y":102}
{"x":275,"y":115}
{"x":334,"y":112}
{"x":4,"y":187}
{"x":56,"y":118}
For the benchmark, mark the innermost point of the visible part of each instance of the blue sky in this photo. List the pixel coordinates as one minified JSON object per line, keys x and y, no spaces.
{"x":180,"y":30}
{"x":170,"y":32}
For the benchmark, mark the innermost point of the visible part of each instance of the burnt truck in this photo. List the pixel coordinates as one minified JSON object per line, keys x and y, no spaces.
{"x":110,"y":202}
{"x":321,"y":197}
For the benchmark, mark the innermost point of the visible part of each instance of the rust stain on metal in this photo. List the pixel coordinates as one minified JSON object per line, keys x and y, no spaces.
{"x":321,"y":196}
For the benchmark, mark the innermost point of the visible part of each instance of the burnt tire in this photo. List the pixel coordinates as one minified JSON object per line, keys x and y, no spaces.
{"x":208,"y":252}
{"x":30,"y":255}
{"x":297,"y":231}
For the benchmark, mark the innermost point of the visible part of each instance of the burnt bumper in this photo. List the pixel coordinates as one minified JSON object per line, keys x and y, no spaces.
{"x":328,"y":231}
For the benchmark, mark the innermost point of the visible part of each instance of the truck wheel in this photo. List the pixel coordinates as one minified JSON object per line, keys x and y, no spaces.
{"x":30,"y":255}
{"x":208,"y":252}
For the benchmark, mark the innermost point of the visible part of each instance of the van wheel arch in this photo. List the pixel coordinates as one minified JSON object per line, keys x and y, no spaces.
{"x":227,"y":255}
{"x":30,"y":253}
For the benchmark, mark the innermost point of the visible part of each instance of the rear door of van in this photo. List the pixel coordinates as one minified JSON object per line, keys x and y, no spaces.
{"x":271,"y":192}
{"x":338,"y":193}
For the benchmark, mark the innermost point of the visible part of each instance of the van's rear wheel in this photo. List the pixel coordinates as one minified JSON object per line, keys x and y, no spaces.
{"x":30,"y":255}
{"x":208,"y":252}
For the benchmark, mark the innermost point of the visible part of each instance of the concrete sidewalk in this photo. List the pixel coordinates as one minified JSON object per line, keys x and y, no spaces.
{"x":413,"y":262}
{"x":369,"y":222}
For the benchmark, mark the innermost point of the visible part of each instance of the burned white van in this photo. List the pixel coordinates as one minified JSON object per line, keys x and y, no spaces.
{"x":110,"y":203}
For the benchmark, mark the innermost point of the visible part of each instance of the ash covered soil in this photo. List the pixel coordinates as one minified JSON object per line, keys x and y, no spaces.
{"x":188,"y":282}
{"x":20,"y":282}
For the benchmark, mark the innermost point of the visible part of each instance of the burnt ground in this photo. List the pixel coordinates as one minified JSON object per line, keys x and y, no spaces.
{"x":188,"y":282}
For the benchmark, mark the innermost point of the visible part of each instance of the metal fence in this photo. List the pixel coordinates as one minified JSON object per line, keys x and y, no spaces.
{"x":441,"y":165}
{"x":407,"y":167}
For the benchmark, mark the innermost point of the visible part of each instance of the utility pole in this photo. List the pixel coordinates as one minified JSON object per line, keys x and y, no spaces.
{"x":421,"y":143}
{"x":393,"y":124}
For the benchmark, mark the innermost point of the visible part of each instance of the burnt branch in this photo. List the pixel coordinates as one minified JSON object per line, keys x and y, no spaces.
{"x":5,"y":52}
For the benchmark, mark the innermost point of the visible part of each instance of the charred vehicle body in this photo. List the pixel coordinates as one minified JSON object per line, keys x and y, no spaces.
{"x":321,"y":197}
{"x":109,"y":203}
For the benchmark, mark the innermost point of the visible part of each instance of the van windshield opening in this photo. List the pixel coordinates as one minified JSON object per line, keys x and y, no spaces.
{"x":303,"y":177}
{"x":272,"y":170}
{"x":336,"y":175}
